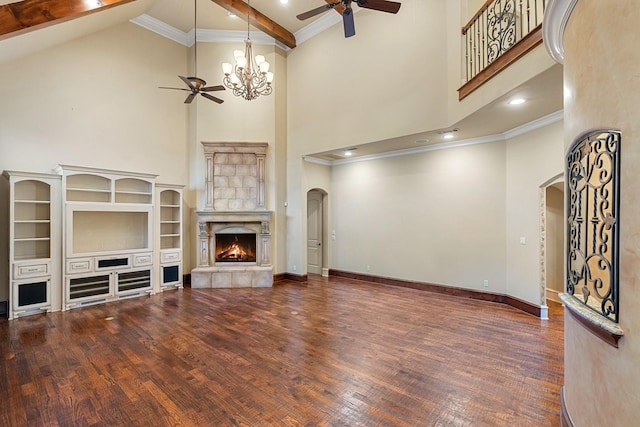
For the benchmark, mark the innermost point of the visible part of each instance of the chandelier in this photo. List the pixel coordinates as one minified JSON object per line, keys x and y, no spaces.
{"x":248,"y":77}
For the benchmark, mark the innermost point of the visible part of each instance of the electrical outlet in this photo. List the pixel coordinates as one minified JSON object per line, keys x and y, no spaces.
{"x":295,"y":268}
{"x":368,"y":268}
{"x":485,"y":283}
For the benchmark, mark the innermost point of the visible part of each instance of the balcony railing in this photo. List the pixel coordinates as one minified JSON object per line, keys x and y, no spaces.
{"x":498,"y":34}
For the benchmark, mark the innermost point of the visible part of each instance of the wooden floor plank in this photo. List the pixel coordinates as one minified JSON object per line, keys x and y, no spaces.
{"x":332,"y":352}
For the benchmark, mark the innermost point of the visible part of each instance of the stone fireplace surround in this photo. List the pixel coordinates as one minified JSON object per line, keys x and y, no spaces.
{"x":234,"y":203}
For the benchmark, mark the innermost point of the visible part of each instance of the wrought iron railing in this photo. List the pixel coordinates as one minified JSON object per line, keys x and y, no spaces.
{"x":495,"y":28}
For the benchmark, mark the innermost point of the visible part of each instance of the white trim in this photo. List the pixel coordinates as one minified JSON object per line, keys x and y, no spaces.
{"x":152,"y":24}
{"x":316,"y":27}
{"x":544,"y":312}
{"x":232,"y":36}
{"x":555,"y":21}
{"x":536,"y":124}
{"x":520,"y":130}
{"x":317,"y":161}
{"x":236,"y":36}
{"x":204,"y":35}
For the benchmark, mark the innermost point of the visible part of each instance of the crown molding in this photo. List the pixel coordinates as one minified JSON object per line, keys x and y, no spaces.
{"x":204,"y":35}
{"x":512,"y":133}
{"x":233,"y":36}
{"x":535,"y":124}
{"x":228,"y":36}
{"x":317,"y":26}
{"x":555,"y":21}
{"x":159,"y":27}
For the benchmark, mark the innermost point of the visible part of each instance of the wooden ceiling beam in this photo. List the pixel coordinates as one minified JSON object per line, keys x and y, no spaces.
{"x":339,"y":8}
{"x":30,"y":15}
{"x":259,"y":21}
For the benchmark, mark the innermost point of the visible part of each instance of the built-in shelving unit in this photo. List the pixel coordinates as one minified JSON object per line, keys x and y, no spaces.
{"x":108,"y":228}
{"x":86,"y":236}
{"x":169,"y":232}
{"x":34,"y":218}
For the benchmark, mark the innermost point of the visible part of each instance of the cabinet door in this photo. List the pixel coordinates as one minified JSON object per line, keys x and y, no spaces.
{"x":88,"y":287}
{"x":133,"y":281}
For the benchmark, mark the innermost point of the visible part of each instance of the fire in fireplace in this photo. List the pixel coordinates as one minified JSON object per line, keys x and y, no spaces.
{"x":236,"y":247}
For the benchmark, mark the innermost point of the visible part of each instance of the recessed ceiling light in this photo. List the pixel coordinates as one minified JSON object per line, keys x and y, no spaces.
{"x":231,"y":14}
{"x":284,"y":1}
{"x":517,"y":101}
{"x":448,"y":136}
{"x":349,"y":151}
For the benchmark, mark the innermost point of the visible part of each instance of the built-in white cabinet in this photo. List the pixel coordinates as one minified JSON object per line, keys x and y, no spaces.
{"x":33,"y":242}
{"x":86,"y":236}
{"x":108,"y":240}
{"x":169,"y":235}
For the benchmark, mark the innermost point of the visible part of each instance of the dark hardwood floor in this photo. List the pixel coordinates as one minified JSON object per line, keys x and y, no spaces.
{"x":332,"y":352}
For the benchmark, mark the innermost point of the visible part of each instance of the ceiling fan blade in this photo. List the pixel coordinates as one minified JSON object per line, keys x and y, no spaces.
{"x":190,"y":98}
{"x":317,"y":11}
{"x":213,"y":98}
{"x":212,"y":88}
{"x":347,"y":20}
{"x":187,"y":81}
{"x":381,"y":5}
{"x":174,"y":88}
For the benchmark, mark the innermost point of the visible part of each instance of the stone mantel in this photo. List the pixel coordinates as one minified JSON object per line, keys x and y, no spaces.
{"x":235,"y":216}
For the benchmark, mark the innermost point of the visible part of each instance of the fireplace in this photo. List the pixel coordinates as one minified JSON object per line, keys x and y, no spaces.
{"x":236,"y":247}
{"x":233,"y":231}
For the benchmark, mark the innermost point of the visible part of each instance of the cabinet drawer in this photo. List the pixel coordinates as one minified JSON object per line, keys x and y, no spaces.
{"x":142,"y":259}
{"x":169,"y":256}
{"x":84,"y":265}
{"x":30,"y":270}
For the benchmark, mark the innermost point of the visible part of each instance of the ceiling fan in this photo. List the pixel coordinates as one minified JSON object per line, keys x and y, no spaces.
{"x":347,"y":14}
{"x":196,"y":85}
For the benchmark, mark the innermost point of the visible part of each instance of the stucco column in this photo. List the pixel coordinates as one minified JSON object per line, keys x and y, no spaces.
{"x":601,"y":46}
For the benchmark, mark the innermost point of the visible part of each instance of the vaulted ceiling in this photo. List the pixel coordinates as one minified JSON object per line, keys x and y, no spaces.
{"x":272,"y":17}
{"x":31,"y":25}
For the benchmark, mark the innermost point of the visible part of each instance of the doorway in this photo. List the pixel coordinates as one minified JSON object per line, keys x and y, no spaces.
{"x":554,"y":274}
{"x":315,"y":231}
{"x":552,"y":237}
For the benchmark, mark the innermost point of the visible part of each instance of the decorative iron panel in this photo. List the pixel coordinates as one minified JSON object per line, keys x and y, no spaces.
{"x":501,"y":28}
{"x":593,"y":180}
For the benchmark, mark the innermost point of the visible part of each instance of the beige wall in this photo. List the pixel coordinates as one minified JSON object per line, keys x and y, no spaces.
{"x":380,"y":84}
{"x":94,"y":101}
{"x":532,"y":159}
{"x":434,"y":217}
{"x":602,"y":383}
